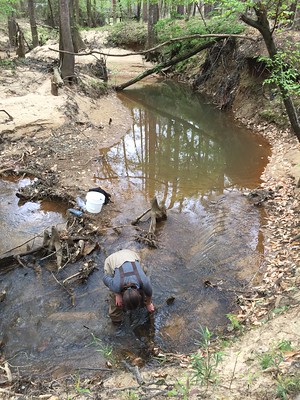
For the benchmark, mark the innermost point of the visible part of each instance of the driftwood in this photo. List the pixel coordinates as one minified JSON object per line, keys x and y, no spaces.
{"x":56,"y":244}
{"x":135,"y":371}
{"x":83,"y":273}
{"x":157,"y":213}
{"x":9,"y":116}
{"x":56,"y":82}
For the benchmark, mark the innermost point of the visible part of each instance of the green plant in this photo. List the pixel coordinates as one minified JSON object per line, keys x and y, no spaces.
{"x":284,"y":70}
{"x":274,"y":356}
{"x":234,"y":323}
{"x":285,"y":345}
{"x":130,"y":395}
{"x":78,"y":387}
{"x":105,"y":349}
{"x":287,"y":385}
{"x":128,"y":34}
{"x":181,"y":389}
{"x":7,"y":63}
{"x":205,"y":361}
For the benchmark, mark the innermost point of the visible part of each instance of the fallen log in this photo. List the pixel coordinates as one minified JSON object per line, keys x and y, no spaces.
{"x":167,"y":64}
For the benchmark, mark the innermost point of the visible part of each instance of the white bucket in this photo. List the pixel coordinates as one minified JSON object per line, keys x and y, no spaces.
{"x":94,"y":202}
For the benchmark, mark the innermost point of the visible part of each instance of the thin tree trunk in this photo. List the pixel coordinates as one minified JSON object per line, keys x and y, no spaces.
{"x":67,"y":61}
{"x":114,"y":11}
{"x":153,"y":17}
{"x":145,"y":10}
{"x":33,"y":27}
{"x":78,"y":43}
{"x":12,"y":30}
{"x":89,"y":13}
{"x":51,"y":15}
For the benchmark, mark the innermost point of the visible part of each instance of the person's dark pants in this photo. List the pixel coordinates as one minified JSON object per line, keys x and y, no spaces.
{"x":116,"y":313}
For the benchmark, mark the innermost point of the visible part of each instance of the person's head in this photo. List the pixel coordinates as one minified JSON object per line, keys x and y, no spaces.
{"x":131,"y":298}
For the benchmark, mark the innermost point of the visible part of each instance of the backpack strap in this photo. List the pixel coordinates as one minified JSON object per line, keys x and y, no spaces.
{"x":130,"y":273}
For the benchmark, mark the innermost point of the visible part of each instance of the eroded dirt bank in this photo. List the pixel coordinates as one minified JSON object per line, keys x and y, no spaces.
{"x":63,"y":139}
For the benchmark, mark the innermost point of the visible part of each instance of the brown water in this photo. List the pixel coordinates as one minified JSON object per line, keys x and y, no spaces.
{"x":195,"y":160}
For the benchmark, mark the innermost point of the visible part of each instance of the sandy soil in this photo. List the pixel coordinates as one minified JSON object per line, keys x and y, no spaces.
{"x":63,"y":134}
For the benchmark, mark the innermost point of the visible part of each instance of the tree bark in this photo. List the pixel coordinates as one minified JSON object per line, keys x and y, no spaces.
{"x":33,"y":27}
{"x":12,"y":30}
{"x":153,"y":16}
{"x":78,"y":43}
{"x":51,"y":18}
{"x":67,"y":60}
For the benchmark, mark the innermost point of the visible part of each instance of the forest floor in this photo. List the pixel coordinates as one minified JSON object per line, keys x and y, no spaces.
{"x":62,"y":135}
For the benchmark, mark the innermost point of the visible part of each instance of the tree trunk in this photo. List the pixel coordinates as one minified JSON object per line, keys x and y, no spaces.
{"x":138,"y":11}
{"x":262,"y":25}
{"x":76,"y":11}
{"x":153,"y":17}
{"x":21,"y":44}
{"x":12,"y":30}
{"x":89,"y":13}
{"x":67,"y":61}
{"x":180,"y":9}
{"x":114,"y":11}
{"x":51,"y":15}
{"x":145,"y":11}
{"x":78,"y":43}
{"x":33,"y":27}
{"x":296,"y":20}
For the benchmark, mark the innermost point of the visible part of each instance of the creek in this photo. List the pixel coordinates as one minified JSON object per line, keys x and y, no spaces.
{"x":199,"y":163}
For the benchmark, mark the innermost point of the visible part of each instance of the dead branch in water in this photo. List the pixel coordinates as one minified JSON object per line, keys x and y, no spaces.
{"x":157,"y":213}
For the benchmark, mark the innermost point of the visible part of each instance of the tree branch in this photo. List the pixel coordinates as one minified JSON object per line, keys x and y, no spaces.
{"x":167,"y":64}
{"x":178,"y":39}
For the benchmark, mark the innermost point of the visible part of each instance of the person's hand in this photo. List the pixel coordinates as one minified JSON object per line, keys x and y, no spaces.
{"x":150,"y":307}
{"x":119,"y":300}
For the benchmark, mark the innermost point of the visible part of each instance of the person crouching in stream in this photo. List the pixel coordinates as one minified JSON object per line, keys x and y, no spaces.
{"x":129,"y":286}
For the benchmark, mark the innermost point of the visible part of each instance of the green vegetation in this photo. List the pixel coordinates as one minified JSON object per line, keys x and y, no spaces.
{"x":6,"y":7}
{"x":286,"y":384}
{"x":105,"y":349}
{"x":275,"y":356}
{"x":234,"y":323}
{"x":284,"y":70}
{"x":78,"y":387}
{"x":7,"y":63}
{"x":205,"y":361}
{"x":167,"y":29}
{"x":181,"y":389}
{"x":129,"y":34}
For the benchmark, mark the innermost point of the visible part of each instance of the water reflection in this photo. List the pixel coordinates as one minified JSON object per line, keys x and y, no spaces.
{"x":182,"y":148}
{"x":196,"y":160}
{"x":23,"y":220}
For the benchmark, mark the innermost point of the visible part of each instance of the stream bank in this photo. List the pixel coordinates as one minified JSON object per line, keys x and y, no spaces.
{"x":67,"y":152}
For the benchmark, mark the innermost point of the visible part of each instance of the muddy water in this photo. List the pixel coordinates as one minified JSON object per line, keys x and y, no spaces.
{"x":20,"y":221}
{"x":195,"y":160}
